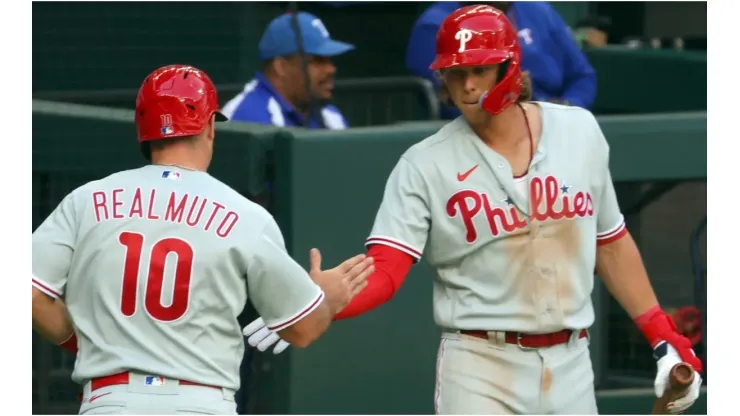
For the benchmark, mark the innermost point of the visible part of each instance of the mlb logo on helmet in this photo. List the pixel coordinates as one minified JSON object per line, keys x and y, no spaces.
{"x":167,"y":124}
{"x":154,"y":381}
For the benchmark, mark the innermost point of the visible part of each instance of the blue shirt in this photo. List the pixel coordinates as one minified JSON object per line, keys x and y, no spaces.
{"x":259,"y":102}
{"x":558,"y":68}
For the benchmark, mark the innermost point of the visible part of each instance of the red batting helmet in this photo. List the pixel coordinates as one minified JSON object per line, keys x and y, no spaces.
{"x":482,"y":35}
{"x":175,"y":101}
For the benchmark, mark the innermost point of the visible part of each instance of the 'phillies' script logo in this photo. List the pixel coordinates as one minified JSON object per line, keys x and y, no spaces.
{"x":547,"y":200}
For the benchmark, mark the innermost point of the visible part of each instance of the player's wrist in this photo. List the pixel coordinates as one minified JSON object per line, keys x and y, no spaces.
{"x":333,"y":307}
{"x":332,"y":302}
{"x":660,"y":331}
{"x":335,"y":294}
{"x":70,"y":344}
{"x":653,"y":324}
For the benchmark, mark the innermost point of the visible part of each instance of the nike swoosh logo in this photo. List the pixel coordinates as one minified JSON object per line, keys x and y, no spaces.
{"x":462,"y":176}
{"x":93,"y":398}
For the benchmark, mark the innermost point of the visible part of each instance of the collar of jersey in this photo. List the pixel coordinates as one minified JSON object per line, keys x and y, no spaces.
{"x":175,"y":166}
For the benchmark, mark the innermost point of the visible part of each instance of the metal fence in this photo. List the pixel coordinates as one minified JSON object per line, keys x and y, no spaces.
{"x":670,"y":231}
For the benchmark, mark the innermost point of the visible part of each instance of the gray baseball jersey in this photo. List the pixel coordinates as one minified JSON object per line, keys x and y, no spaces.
{"x":513,"y":255}
{"x":155,"y":264}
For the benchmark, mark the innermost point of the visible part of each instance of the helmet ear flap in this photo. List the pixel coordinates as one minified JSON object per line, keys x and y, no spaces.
{"x":506,"y":90}
{"x":502,"y":68}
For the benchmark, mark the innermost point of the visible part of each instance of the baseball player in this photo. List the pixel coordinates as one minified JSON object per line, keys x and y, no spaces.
{"x":514,"y":205}
{"x":155,"y":264}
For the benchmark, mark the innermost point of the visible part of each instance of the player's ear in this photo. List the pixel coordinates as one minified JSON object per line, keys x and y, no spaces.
{"x":211,"y":128}
{"x":280,"y":66}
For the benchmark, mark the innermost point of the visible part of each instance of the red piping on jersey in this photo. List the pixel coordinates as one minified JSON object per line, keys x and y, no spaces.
{"x":613,"y":236}
{"x":416,"y":254}
{"x":300,"y":316}
{"x":391,"y":267}
{"x":46,"y":288}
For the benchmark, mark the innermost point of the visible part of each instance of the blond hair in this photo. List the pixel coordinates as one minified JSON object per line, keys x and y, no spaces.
{"x":526,"y":92}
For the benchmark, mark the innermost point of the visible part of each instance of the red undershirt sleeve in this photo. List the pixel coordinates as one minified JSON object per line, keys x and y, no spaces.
{"x":391,"y":267}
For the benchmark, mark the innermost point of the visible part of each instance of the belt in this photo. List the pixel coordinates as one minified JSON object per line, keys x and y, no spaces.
{"x":122,"y":378}
{"x":532,"y":341}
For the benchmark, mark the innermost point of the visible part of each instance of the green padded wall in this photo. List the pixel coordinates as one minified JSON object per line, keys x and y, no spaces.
{"x":648,"y":81}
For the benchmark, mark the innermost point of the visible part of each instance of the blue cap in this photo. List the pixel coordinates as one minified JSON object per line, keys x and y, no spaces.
{"x":279,"y":38}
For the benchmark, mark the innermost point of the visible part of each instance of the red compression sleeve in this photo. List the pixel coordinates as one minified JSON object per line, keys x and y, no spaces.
{"x":391,"y":268}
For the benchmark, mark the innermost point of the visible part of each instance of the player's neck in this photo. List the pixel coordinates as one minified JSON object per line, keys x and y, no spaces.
{"x":503,"y":130}
{"x":180,"y":159}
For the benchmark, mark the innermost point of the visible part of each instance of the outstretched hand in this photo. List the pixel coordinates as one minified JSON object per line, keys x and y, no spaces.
{"x":343,"y":282}
{"x":339,"y":284}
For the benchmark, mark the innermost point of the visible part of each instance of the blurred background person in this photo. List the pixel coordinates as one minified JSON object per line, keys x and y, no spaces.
{"x":592,"y":31}
{"x":560,"y":72}
{"x":279,"y":94}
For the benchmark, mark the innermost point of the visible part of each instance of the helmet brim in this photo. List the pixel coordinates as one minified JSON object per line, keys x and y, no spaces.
{"x":476,"y":57}
{"x":220,"y":116}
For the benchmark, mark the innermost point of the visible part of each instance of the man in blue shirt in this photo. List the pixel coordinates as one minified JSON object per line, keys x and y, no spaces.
{"x":559,"y":70}
{"x":278,"y":95}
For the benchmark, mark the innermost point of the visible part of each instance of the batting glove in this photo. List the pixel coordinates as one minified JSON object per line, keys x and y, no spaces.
{"x":667,"y":357}
{"x":261,"y":337}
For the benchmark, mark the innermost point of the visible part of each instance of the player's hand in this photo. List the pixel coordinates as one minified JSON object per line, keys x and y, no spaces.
{"x":668,"y":356}
{"x":343,"y":282}
{"x":263,"y":338}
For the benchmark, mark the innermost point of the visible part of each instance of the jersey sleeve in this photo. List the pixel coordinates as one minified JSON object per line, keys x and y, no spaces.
{"x":280,"y":289}
{"x":403,"y":219}
{"x":53,"y":245}
{"x":610,"y":225}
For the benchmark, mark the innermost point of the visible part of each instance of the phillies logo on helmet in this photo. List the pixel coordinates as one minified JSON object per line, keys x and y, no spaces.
{"x":464,"y":36}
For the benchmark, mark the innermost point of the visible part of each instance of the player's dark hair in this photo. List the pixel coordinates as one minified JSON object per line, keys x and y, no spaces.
{"x":266,"y":65}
